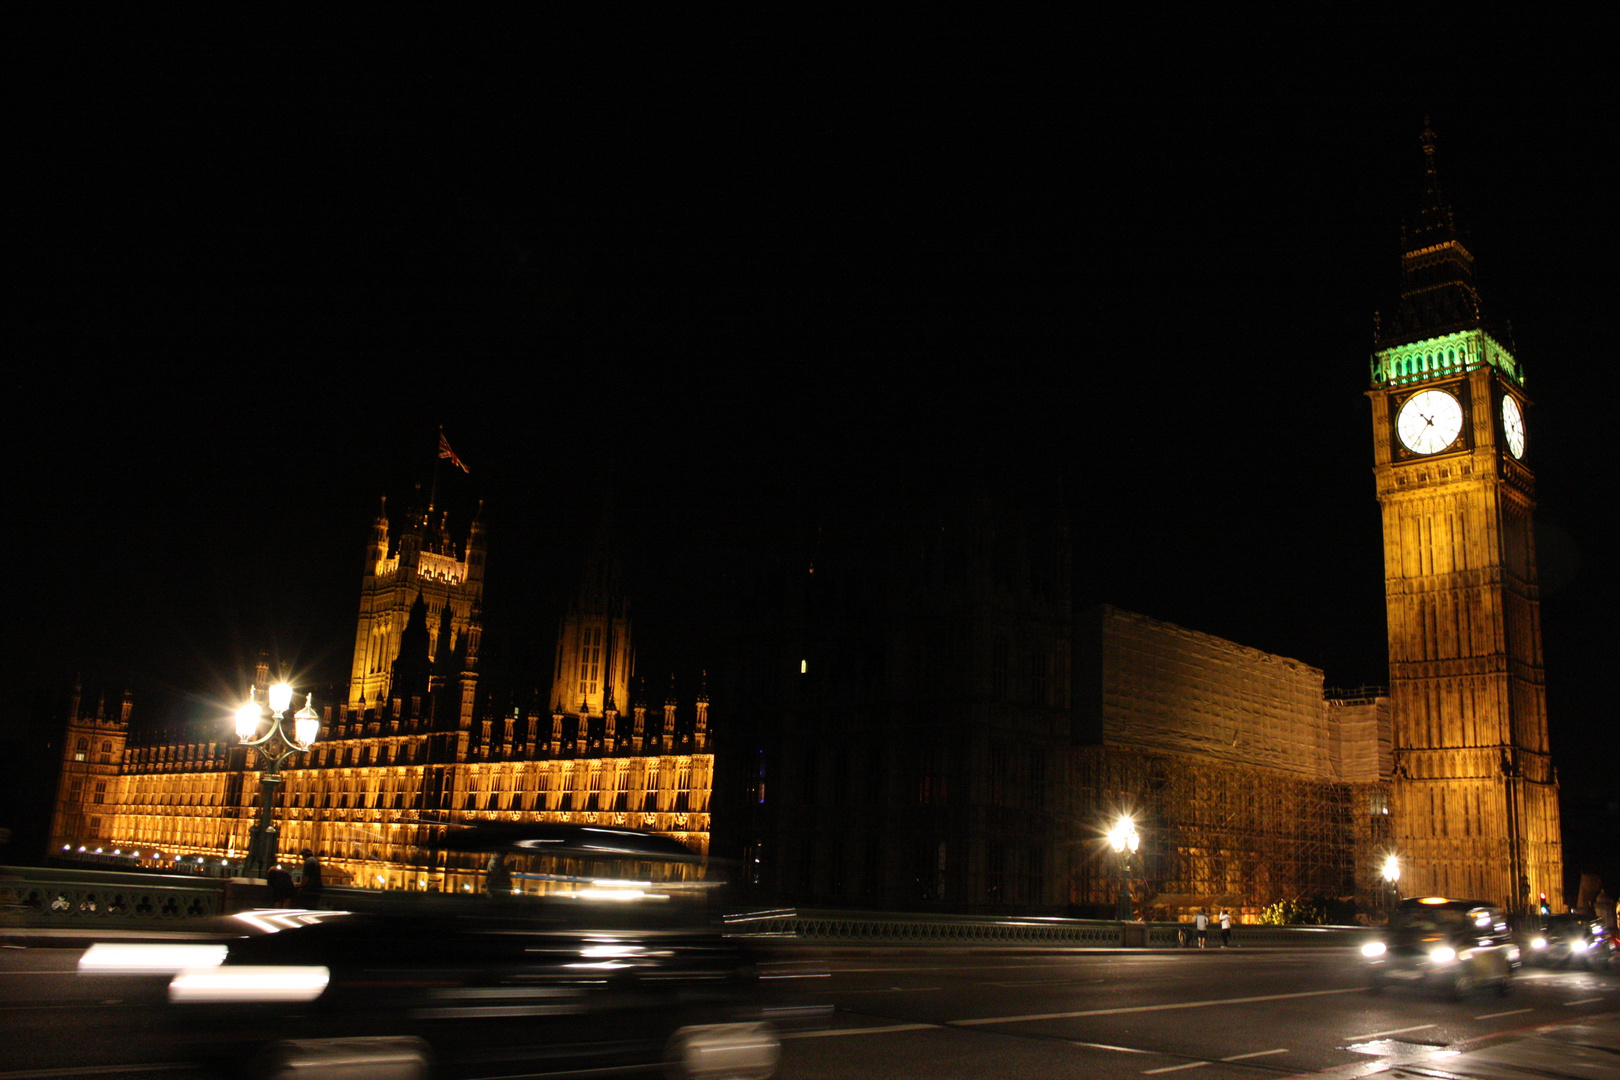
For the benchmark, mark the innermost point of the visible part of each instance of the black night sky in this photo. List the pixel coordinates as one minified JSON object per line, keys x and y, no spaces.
{"x":720,"y":269}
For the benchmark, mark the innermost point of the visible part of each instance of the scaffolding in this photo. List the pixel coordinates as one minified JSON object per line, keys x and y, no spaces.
{"x":1225,"y":834}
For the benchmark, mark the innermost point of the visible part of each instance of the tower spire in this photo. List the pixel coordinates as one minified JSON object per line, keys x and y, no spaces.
{"x":1435,"y":222}
{"x":1438,"y":294}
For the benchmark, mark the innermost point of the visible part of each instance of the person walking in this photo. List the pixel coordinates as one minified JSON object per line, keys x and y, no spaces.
{"x":498,"y":876}
{"x":281,"y":886}
{"x":1201,"y":924}
{"x":1226,"y":928}
{"x":311,"y":888}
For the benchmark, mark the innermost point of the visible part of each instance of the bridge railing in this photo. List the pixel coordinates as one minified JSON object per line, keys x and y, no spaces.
{"x":85,"y":900}
{"x":887,"y":928}
{"x":82,"y":899}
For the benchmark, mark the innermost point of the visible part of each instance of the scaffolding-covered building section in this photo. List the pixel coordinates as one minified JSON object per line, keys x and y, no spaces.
{"x":1248,"y":782}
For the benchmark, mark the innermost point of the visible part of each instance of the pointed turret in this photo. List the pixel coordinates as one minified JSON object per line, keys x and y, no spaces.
{"x":1438,"y":328}
{"x":595,"y":659}
{"x":1438,"y":294}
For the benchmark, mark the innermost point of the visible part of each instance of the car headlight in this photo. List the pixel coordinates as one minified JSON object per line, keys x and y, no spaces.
{"x":1445,"y":954}
{"x":1373,"y":948}
{"x":1577,"y":946}
{"x":241,"y":982}
{"x":1538,"y":943}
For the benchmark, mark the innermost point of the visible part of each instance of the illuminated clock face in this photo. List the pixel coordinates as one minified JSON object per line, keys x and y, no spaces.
{"x":1513,"y":426}
{"x":1429,"y":422}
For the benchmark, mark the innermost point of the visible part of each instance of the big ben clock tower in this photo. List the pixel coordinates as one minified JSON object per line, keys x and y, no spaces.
{"x":1475,"y":800}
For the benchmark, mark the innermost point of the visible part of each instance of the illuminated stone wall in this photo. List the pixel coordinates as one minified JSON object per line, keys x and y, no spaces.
{"x":89,"y":788}
{"x":421,"y":561}
{"x":374,"y":797}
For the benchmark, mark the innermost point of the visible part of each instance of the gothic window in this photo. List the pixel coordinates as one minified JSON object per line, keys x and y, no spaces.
{"x":998,"y":668}
{"x":995,"y":874}
{"x":590,"y":661}
{"x":82,"y":749}
{"x":683,"y":789}
{"x":650,"y":802}
{"x":931,"y":783}
{"x":1034,"y":876}
{"x":1037,"y":780}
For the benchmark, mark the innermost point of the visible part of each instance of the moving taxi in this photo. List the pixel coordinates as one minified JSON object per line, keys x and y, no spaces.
{"x":1439,"y":943}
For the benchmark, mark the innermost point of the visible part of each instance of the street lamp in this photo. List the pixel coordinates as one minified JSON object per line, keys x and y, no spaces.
{"x":1391,"y":874}
{"x":275,"y":747}
{"x":1124,"y":839}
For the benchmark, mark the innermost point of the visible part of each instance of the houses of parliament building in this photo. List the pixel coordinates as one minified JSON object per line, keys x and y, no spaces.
{"x":414,"y":749}
{"x":911,"y":711}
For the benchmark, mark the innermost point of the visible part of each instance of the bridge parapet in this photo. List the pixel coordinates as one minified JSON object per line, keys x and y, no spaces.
{"x":92,"y":901}
{"x":83,"y":899}
{"x":887,"y":928}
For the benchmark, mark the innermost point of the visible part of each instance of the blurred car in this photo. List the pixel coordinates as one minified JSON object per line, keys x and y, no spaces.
{"x":1569,"y":941}
{"x":596,"y":954}
{"x":1439,"y":943}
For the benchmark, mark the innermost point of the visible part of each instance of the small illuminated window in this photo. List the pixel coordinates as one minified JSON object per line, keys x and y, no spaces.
{"x":804,"y":666}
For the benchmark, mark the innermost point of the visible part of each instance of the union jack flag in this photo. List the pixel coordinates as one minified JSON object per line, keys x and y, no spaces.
{"x":446,"y":452}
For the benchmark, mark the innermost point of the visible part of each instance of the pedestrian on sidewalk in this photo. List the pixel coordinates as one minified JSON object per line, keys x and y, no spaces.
{"x":1226,"y":928}
{"x":1201,"y":922}
{"x":281,"y":886}
{"x":310,"y":888}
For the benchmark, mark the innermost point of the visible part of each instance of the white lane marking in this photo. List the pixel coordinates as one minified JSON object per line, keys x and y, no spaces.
{"x":977,"y":1021}
{"x":1391,"y":1031}
{"x":1041,"y":982}
{"x":1105,"y":1046}
{"x":849,"y":1031}
{"x":1201,"y":1064}
{"x":834,"y":969}
{"x":1583,"y":1001}
{"x":1510,"y":1012}
{"x":886,"y":990}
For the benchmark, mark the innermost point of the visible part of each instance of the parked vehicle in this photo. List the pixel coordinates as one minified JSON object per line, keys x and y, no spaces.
{"x":1439,"y":943}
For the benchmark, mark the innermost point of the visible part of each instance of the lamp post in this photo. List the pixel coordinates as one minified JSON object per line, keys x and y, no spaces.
{"x":1124,"y":839}
{"x":275,"y":747}
{"x":1391,"y":875}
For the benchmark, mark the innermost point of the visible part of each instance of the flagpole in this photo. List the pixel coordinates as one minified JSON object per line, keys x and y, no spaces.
{"x":433,"y":489}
